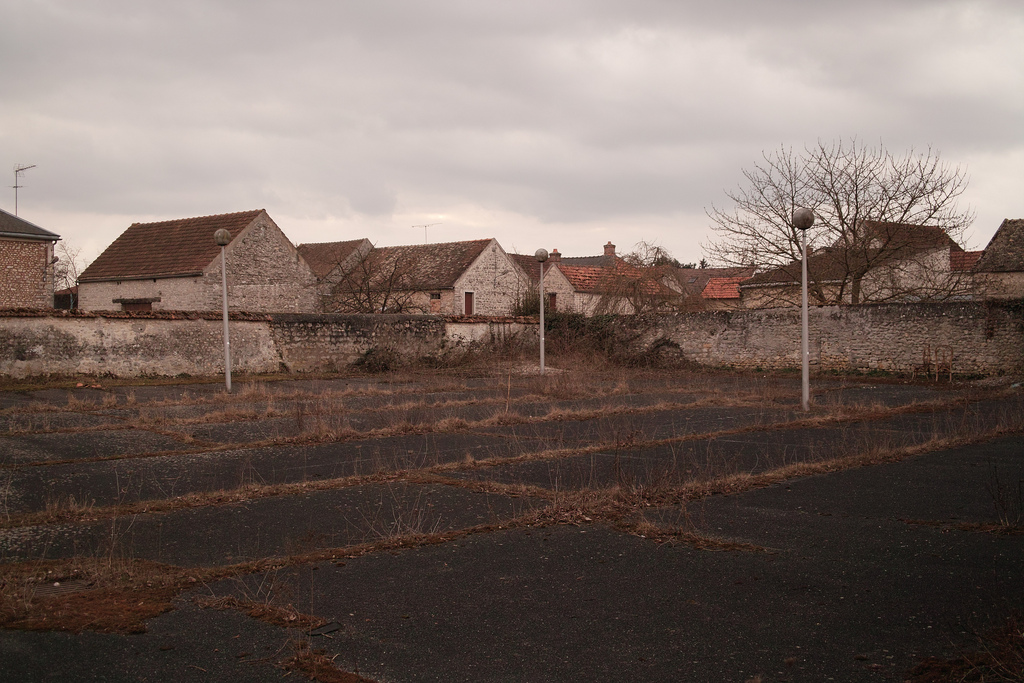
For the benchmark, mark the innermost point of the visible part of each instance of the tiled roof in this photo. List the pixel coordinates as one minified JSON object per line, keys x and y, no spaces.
{"x":323,"y":257}
{"x":695,"y":280}
{"x":13,"y":226}
{"x":602,"y":260}
{"x":584,"y":278}
{"x":429,"y":266}
{"x":723,"y":288}
{"x":891,"y":236}
{"x":1005,"y":251}
{"x":531,"y":265}
{"x":963,"y":261}
{"x":826,"y":265}
{"x":167,"y":248}
{"x":888,"y":242}
{"x":608,"y":280}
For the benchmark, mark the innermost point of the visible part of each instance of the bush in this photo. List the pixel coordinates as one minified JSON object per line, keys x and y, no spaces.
{"x":379,"y":359}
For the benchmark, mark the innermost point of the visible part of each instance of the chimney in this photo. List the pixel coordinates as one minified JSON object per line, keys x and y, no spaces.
{"x":554,"y":257}
{"x":609,"y":249}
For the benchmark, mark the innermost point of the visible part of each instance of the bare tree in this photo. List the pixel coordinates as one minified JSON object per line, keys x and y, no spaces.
{"x":637,"y":283}
{"x":864,"y":198}
{"x":378,"y":281}
{"x":67,"y":268}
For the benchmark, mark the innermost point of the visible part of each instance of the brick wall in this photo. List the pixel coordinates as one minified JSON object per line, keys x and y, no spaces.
{"x":26,"y":276}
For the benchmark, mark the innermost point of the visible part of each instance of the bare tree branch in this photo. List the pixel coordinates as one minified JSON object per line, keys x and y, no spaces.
{"x":848,"y":185}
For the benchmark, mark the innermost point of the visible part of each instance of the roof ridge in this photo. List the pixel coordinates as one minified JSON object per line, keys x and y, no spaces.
{"x":197,"y":218}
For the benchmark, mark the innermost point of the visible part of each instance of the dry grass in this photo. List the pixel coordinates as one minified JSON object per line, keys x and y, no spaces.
{"x":997,"y":655}
{"x":315,"y":665}
{"x":287,"y":616}
{"x":114,"y":596}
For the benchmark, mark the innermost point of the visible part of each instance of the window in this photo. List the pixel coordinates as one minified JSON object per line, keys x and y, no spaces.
{"x":552,"y":302}
{"x":468,"y":309}
{"x":435,"y":296}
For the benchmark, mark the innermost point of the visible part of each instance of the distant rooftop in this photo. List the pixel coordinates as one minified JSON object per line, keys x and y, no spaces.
{"x":13,"y":226}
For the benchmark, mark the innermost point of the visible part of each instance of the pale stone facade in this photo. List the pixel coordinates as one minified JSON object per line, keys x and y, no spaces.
{"x":265,"y":274}
{"x":493,"y":279}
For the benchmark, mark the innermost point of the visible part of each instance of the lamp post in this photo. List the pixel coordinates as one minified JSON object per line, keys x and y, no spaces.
{"x":802,"y":220}
{"x":222,"y":237}
{"x":541,"y":255}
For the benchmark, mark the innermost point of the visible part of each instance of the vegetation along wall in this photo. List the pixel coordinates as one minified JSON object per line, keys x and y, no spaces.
{"x":979,"y":337}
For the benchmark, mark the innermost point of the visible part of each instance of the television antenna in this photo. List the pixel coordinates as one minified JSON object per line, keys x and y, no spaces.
{"x":425,"y":226}
{"x":19,"y":171}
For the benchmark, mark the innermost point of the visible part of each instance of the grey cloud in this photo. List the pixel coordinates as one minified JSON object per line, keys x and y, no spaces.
{"x":569,"y":112}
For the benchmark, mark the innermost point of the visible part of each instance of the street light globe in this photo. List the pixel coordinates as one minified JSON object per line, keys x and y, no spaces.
{"x":803,"y":219}
{"x":541,"y":255}
{"x":222,"y":237}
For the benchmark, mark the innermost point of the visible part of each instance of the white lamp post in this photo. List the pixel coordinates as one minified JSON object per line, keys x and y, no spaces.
{"x":541,"y":255}
{"x":802,"y":220}
{"x":222,"y":237}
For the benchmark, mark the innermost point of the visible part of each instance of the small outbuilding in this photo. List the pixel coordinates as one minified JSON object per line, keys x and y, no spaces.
{"x":175,"y":265}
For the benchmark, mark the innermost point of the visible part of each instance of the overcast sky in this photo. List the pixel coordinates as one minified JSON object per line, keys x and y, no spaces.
{"x":548,"y":123}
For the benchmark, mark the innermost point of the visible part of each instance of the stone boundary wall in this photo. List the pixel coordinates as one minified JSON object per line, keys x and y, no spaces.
{"x":982,"y":338}
{"x":163,"y":343}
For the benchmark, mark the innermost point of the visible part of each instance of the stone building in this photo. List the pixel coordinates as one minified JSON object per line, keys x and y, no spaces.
{"x":455,"y":278}
{"x":709,"y":289}
{"x":559,"y":294}
{"x":891,"y":263}
{"x":999,"y":273}
{"x":26,"y":263}
{"x":175,"y":265}
{"x":330,"y":262}
{"x":599,"y":284}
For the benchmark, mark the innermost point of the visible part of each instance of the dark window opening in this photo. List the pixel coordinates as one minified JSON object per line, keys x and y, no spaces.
{"x":468,"y":310}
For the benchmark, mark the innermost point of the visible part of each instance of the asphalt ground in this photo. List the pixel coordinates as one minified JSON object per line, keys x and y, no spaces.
{"x":855,"y":574}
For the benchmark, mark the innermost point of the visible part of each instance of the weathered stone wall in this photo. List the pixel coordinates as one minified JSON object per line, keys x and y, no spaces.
{"x":983,"y":338}
{"x":169,"y":344}
{"x":26,"y":275}
{"x":986,"y":338}
{"x":1009,"y":285}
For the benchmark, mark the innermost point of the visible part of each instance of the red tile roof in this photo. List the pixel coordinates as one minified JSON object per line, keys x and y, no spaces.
{"x":585,"y":278}
{"x":323,"y":257}
{"x":614,"y":280}
{"x":694,"y":280}
{"x":165,"y":249}
{"x":723,"y":288}
{"x":963,"y":261}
